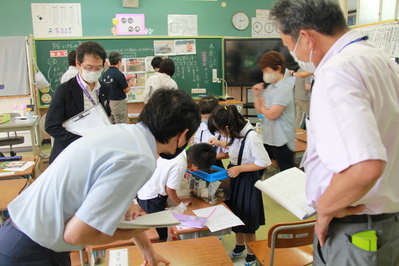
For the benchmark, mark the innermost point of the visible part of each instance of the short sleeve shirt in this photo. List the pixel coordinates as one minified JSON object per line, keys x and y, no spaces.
{"x":168,"y":173}
{"x":354,"y":117}
{"x":95,"y":178}
{"x":117,"y":82}
{"x":280,"y":131}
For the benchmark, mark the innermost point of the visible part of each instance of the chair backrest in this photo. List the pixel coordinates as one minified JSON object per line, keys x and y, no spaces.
{"x":289,"y":235}
{"x":293,"y":234}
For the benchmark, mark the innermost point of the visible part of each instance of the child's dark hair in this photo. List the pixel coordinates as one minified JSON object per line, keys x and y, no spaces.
{"x":72,"y":58}
{"x":227,"y":116}
{"x":167,"y":66}
{"x":207,"y":104}
{"x":170,"y":112}
{"x":90,"y":48}
{"x":155,"y":62}
{"x":114,"y":58}
{"x":202,"y":155}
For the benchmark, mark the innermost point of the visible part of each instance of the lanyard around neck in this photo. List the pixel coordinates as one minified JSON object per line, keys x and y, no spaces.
{"x":357,"y":40}
{"x":85,"y":90}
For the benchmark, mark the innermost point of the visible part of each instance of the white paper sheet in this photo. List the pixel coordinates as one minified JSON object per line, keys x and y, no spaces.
{"x":87,"y":121}
{"x":220,"y":219}
{"x":118,"y":257}
{"x":22,"y":168}
{"x":288,"y":189}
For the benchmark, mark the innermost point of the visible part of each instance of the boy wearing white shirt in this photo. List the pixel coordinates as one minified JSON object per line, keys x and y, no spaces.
{"x":167,"y":177}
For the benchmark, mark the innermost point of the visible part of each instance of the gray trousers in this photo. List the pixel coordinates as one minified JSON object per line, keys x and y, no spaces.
{"x":339,"y":251}
{"x":118,"y":111}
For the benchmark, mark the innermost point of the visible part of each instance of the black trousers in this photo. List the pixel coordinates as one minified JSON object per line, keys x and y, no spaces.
{"x":155,"y":205}
{"x":17,"y":249}
{"x":283,"y":155}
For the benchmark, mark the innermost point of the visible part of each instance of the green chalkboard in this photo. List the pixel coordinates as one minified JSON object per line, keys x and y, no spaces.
{"x":193,"y":71}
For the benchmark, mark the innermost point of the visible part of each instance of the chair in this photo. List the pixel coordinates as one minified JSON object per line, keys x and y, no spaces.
{"x":12,"y":140}
{"x":287,"y":244}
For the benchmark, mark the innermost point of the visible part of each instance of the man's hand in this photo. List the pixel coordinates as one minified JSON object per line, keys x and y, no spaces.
{"x":324,"y":219}
{"x":155,"y":260}
{"x":133,"y":212}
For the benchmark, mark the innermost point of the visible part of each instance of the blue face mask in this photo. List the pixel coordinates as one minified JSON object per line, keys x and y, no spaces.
{"x":205,"y":121}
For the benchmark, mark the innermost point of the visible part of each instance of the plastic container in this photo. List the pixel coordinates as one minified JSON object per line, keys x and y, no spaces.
{"x":210,"y":185}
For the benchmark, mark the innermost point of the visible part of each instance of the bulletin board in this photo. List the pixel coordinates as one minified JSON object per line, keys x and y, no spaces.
{"x":193,"y":71}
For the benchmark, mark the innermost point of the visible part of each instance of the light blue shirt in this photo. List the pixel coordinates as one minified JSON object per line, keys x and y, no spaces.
{"x":95,"y":178}
{"x":280,"y":131}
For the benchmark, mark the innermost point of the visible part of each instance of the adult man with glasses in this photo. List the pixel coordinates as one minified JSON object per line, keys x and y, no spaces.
{"x":77,"y":95}
{"x":352,"y":156}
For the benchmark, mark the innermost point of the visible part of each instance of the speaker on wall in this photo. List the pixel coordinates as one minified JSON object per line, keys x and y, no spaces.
{"x":130,"y":3}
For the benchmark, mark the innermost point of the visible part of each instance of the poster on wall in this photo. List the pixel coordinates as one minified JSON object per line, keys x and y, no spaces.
{"x":185,"y":47}
{"x":164,"y":47}
{"x":130,"y":24}
{"x":182,"y":25}
{"x":56,"y":20}
{"x":264,"y":28}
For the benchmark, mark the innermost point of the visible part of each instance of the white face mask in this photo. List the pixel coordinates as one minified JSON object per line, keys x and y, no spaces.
{"x":270,"y":78}
{"x":307,"y":66}
{"x":90,"y":76}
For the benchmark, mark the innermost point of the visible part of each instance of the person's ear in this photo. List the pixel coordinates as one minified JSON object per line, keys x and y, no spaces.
{"x":194,"y":168}
{"x":182,"y":138}
{"x":308,"y":35}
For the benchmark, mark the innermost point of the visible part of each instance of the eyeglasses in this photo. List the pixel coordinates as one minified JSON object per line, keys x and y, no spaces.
{"x":93,"y":69}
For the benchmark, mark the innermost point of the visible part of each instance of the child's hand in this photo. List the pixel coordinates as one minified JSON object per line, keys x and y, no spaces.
{"x":234,"y":171}
{"x":213,"y":141}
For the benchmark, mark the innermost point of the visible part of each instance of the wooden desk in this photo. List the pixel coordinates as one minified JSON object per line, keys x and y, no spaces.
{"x":206,"y":251}
{"x":32,"y":126}
{"x":9,"y":190}
{"x":198,"y":232}
{"x":28,"y":172}
{"x":300,"y":146}
{"x":151,"y":233}
{"x":300,"y":134}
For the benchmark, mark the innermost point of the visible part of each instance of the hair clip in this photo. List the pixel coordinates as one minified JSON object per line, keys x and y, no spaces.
{"x":225,"y":107}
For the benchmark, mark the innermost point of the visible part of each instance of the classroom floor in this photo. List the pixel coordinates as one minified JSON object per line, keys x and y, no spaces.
{"x":275,"y":213}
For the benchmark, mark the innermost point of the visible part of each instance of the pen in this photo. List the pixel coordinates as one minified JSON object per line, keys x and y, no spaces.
{"x":211,"y":213}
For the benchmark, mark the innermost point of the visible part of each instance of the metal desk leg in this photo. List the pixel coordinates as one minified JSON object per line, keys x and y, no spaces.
{"x":82,"y":258}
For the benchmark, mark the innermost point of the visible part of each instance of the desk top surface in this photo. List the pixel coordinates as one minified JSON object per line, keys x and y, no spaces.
{"x":300,"y":134}
{"x":205,"y":251}
{"x":13,"y":123}
{"x":151,"y":233}
{"x":29,"y":171}
{"x":196,"y":203}
{"x":9,"y":190}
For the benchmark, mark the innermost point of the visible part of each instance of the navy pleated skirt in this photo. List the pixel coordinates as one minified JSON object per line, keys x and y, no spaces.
{"x":246,"y":202}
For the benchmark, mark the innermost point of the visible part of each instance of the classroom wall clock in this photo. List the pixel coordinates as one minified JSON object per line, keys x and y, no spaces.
{"x":240,"y":20}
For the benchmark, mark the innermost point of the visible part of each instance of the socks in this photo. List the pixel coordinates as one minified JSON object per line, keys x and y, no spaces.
{"x":250,"y":257}
{"x":239,"y":248}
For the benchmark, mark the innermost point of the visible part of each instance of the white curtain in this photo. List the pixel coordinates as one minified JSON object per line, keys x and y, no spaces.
{"x":13,"y":66}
